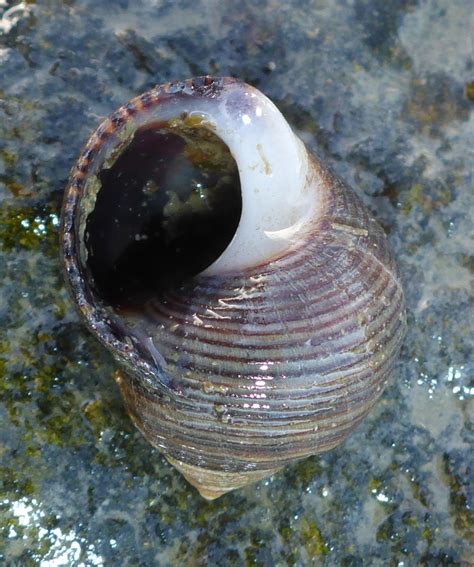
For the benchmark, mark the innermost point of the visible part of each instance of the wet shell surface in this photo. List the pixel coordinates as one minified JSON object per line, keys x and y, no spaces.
{"x":251,"y":300}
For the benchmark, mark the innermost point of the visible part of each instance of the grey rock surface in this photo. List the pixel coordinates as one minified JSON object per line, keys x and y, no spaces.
{"x":384,"y":92}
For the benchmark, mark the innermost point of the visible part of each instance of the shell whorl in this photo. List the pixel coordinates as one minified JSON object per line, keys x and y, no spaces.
{"x":235,"y":373}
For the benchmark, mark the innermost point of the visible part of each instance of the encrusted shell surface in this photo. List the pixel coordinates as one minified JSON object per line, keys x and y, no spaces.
{"x":234,"y":375}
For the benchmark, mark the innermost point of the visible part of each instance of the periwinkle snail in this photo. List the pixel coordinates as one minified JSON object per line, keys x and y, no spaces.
{"x":249,"y":297}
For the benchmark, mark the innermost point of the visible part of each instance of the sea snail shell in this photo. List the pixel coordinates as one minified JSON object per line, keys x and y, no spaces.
{"x":248,"y":295}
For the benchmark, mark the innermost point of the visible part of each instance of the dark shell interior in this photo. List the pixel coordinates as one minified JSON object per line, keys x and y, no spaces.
{"x":166,"y":209}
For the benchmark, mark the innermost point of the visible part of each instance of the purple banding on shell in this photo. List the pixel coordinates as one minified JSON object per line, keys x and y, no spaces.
{"x":256,"y":368}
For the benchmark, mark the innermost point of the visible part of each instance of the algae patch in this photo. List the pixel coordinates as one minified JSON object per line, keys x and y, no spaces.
{"x":29,"y":228}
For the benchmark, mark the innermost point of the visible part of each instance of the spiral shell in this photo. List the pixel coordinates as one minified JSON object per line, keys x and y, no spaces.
{"x":279,"y":348}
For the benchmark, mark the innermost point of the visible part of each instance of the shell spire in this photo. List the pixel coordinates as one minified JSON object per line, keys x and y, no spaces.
{"x":249,"y":297}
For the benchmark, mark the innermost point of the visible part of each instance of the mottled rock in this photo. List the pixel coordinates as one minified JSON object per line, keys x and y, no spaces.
{"x":383,"y":91}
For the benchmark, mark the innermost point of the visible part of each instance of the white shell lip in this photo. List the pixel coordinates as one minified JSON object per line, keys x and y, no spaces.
{"x":273,"y":166}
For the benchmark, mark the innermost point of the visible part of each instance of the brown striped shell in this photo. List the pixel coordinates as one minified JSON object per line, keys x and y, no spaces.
{"x":236,"y":374}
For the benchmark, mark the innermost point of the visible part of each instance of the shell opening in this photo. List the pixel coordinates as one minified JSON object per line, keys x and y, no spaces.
{"x":166,"y":209}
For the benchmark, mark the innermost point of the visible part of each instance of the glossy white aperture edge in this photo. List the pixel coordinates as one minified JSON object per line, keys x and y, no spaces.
{"x":277,"y":200}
